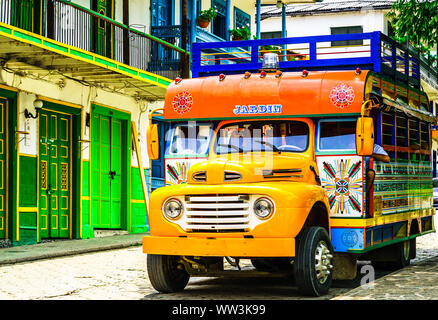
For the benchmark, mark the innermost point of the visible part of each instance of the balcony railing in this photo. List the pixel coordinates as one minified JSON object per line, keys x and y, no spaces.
{"x":172,"y":34}
{"x":77,"y":26}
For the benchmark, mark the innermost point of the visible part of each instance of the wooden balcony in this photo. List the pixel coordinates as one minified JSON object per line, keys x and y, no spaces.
{"x":87,"y":46}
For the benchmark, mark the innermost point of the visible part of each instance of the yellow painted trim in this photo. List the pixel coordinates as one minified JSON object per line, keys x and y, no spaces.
{"x":85,"y":198}
{"x":28,"y":155}
{"x":68,"y":54}
{"x":69,"y":104}
{"x":2,"y":86}
{"x":377,"y":221}
{"x":70,"y":193}
{"x":89,"y":171}
{"x":17,"y":237}
{"x":137,"y":201}
{"x":109,"y":107}
{"x":28,"y":209}
{"x":38,"y":175}
{"x":80,"y":177}
{"x":6,"y":206}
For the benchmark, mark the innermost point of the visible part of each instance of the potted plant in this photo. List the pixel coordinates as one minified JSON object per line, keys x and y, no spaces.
{"x":205,"y":16}
{"x":269,"y":49}
{"x":242,"y":33}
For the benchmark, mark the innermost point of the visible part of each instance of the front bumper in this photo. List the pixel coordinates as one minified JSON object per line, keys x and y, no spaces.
{"x":220,"y":247}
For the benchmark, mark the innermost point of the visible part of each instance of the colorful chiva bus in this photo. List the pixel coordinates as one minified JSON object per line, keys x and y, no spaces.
{"x":266,"y":166}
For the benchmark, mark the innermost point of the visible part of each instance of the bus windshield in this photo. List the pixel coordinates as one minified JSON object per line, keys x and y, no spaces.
{"x":189,"y":139}
{"x":252,"y":136}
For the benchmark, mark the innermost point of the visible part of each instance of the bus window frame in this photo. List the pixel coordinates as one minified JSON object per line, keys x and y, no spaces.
{"x":317,"y":148}
{"x":307,"y":121}
{"x":168,"y":154}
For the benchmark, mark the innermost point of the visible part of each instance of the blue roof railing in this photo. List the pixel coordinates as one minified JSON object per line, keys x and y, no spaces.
{"x":371,"y":51}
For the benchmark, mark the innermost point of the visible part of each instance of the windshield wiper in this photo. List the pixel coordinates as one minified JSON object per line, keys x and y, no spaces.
{"x":274,"y":148}
{"x":230,"y":146}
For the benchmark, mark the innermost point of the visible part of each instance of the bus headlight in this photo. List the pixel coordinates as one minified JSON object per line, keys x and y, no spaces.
{"x":173,"y":209}
{"x":263,"y":208}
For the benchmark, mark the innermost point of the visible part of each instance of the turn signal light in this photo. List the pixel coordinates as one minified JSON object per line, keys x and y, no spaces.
{"x":305,"y":73}
{"x":178,"y":80}
{"x":262,"y":74}
{"x":358,"y":71}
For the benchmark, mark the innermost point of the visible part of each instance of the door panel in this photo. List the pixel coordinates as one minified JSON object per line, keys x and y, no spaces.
{"x":27,"y":15}
{"x":3,"y":166}
{"x":116,"y":168}
{"x":107,"y":171}
{"x":104,"y":30}
{"x":55,"y":174}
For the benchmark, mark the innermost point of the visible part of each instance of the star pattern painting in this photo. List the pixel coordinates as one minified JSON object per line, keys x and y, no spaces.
{"x":342,"y":179}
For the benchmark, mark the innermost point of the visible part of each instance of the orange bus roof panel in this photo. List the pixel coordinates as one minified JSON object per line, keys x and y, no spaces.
{"x":291,"y":94}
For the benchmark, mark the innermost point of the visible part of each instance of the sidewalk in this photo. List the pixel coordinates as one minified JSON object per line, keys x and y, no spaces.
{"x":61,"y":248}
{"x":416,"y":282}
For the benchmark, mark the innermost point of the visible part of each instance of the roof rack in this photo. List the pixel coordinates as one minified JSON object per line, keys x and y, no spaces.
{"x":369,"y":51}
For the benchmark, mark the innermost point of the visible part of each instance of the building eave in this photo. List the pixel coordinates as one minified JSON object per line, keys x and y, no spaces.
{"x":23,"y":51}
{"x":318,"y":9}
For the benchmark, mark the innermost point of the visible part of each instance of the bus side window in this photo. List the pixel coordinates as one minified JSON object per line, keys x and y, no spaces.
{"x":337,"y":134}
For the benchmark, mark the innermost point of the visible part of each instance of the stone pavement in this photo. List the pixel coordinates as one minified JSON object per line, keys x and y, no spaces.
{"x":417,"y":282}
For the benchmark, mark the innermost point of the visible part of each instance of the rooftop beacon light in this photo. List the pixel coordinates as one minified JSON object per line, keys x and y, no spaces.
{"x":270,"y":62}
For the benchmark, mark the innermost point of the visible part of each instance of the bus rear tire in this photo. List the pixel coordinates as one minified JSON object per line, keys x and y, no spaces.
{"x":166,"y":274}
{"x":313,"y":267}
{"x":404,"y":251}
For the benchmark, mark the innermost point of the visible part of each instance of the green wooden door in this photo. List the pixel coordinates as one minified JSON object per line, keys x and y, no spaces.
{"x":3,"y":167}
{"x":27,"y":15}
{"x":104,"y":30}
{"x":106,"y":170}
{"x":55,"y":174}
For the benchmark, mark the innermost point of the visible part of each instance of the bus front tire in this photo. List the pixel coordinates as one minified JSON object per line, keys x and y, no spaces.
{"x":313,"y":267}
{"x":166,"y":274}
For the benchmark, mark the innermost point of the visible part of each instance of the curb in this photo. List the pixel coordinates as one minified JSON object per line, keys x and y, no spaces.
{"x":68,"y":248}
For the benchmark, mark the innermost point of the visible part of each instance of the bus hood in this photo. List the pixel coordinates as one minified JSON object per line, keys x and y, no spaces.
{"x":251,"y":167}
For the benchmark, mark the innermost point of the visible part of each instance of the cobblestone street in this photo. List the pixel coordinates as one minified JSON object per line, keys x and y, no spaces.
{"x":121,"y":275}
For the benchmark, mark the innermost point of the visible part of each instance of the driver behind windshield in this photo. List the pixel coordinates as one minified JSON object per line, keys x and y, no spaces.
{"x":288,"y":136}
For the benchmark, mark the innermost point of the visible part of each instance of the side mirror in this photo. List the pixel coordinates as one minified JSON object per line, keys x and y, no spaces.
{"x":153,"y":142}
{"x":364,"y":136}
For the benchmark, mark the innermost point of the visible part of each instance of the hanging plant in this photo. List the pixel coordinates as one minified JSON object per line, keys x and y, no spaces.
{"x":205,"y":16}
{"x":242,"y":33}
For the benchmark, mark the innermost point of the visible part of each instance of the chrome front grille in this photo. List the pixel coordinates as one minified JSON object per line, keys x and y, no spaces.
{"x":217,"y":213}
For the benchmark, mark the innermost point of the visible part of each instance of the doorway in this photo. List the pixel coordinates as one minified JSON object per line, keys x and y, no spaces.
{"x":55,"y":171}
{"x":103,"y":30}
{"x":108,"y":169}
{"x":3,"y":166}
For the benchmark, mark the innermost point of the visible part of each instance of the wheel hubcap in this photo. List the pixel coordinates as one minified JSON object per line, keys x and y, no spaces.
{"x":323,"y":262}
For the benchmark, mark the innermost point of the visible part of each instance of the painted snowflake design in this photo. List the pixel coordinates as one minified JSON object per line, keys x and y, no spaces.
{"x":182,"y":102}
{"x":342,"y":96}
{"x":342,"y":180}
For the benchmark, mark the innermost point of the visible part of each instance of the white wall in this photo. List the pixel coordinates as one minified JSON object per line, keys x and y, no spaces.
{"x":77,"y":94}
